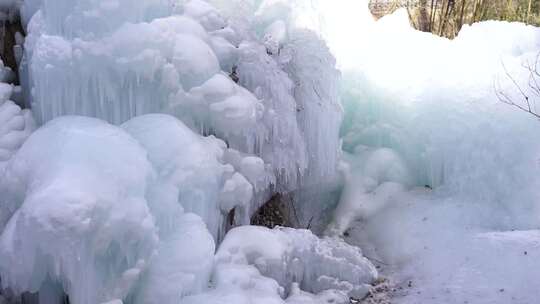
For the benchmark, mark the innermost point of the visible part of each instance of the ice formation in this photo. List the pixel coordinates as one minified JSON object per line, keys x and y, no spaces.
{"x":433,"y":123}
{"x":74,"y":214}
{"x":259,"y":263}
{"x":232,"y":81}
{"x":374,"y":179}
{"x":435,"y":163}
{"x":182,"y":266}
{"x":116,"y":202}
{"x":189,"y":173}
{"x":193,"y":114}
{"x":15,"y":124}
{"x":99,"y":213}
{"x":272,"y":115}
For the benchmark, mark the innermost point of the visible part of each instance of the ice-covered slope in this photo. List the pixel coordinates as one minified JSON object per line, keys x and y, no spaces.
{"x":436,"y":164}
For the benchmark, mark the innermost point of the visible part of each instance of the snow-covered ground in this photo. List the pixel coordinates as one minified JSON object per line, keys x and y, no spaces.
{"x":157,"y":128}
{"x":432,"y":251}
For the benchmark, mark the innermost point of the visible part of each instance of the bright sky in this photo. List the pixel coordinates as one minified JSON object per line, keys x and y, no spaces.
{"x":343,"y":23}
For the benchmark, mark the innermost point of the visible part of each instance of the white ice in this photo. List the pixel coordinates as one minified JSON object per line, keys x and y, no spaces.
{"x":16,"y":124}
{"x":100,"y":212}
{"x":268,"y":266}
{"x":74,"y":214}
{"x":451,"y":204}
{"x":439,"y":178}
{"x":138,"y":63}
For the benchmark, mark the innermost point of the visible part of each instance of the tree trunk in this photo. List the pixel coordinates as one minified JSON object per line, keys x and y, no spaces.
{"x":423,"y":18}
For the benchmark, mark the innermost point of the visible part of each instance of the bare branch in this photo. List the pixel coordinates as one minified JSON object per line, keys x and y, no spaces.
{"x":504,"y":98}
{"x":516,"y":84}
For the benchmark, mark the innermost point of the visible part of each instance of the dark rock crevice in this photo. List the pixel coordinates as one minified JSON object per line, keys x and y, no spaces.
{"x":278,"y":211}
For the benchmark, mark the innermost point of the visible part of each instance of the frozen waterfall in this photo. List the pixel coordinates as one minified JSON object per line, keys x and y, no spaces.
{"x":139,"y":140}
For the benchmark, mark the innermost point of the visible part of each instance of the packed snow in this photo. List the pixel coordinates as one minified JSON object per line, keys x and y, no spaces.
{"x":256,"y":264}
{"x":442,"y":183}
{"x":154,"y":130}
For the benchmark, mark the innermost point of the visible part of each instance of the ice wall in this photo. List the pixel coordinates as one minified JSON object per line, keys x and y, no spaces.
{"x":196,"y":174}
{"x":139,"y":68}
{"x":442,"y":177}
{"x":286,"y":29}
{"x":100,"y":212}
{"x":311,"y":66}
{"x":434,"y":103}
{"x":248,"y":80}
{"x":262,"y":91}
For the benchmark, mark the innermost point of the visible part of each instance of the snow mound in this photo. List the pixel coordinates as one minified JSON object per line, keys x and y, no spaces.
{"x":455,"y":163}
{"x":74,"y":214}
{"x":101,"y":213}
{"x":443,"y":117}
{"x":289,"y":256}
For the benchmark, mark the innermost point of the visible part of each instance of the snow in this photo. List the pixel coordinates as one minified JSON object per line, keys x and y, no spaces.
{"x":435,"y":164}
{"x":189,"y":173}
{"x":176,"y":272}
{"x":438,"y":246}
{"x":268,"y":265}
{"x":86,"y":197}
{"x":288,"y":255}
{"x":15,"y":124}
{"x":74,"y":212}
{"x":193,"y":114}
{"x":231,"y":82}
{"x":447,"y":129}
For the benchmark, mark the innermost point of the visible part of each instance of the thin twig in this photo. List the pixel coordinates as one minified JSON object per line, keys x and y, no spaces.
{"x":504,"y":98}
